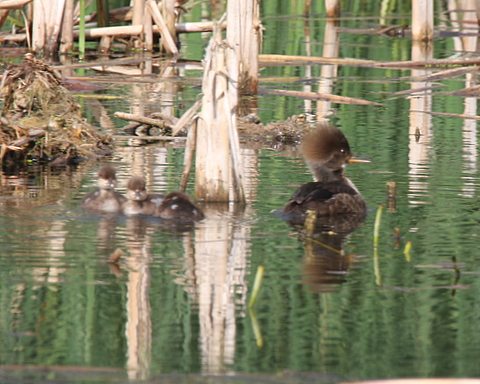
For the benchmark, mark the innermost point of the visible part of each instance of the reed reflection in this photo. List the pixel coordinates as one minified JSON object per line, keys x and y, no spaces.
{"x":326,"y":263}
{"x":221,"y":254}
{"x":139,"y":324}
{"x":467,"y":43}
{"x":421,"y":130}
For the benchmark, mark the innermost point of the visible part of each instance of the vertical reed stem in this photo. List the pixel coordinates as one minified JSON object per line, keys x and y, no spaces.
{"x":81,"y":37}
{"x":256,"y":285}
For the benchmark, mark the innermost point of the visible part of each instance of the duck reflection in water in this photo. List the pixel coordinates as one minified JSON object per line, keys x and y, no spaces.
{"x":327,"y":152}
{"x":105,"y":198}
{"x":333,"y":201}
{"x":326,"y":264}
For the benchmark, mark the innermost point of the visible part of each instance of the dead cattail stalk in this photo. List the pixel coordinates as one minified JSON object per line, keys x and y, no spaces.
{"x":422,"y":20}
{"x":332,"y":8}
{"x":217,"y":167}
{"x":188,"y":157}
{"x":243,"y":36}
{"x":67,"y":28}
{"x":167,"y":39}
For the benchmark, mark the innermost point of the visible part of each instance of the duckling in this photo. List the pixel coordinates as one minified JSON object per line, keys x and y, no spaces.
{"x":104,"y":198}
{"x":177,"y":205}
{"x":139,"y":201}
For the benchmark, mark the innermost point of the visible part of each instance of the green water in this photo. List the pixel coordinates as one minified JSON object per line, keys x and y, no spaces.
{"x":176,"y":306}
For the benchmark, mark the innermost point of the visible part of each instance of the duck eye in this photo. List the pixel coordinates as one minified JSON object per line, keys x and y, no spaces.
{"x":342,"y":150}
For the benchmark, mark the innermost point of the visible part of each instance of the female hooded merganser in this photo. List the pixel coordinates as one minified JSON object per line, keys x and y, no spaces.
{"x":139,"y":201}
{"x":177,"y":205}
{"x":104,"y":198}
{"x":326,"y":152}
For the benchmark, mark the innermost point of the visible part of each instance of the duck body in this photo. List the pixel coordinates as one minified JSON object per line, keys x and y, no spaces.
{"x":327,"y":152}
{"x":330,"y":198}
{"x":178,"y":206}
{"x":104,"y":198}
{"x":138,"y":201}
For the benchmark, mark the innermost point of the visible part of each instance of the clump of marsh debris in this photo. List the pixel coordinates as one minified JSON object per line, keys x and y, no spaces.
{"x":41,"y":121}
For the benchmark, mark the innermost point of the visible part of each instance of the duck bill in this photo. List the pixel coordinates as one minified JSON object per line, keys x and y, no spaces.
{"x":358,"y":159}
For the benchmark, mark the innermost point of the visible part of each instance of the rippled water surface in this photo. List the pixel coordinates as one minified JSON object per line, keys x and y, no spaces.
{"x":331,"y":307}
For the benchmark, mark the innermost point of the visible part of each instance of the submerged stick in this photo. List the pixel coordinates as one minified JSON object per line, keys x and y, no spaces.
{"x":256,"y":328}
{"x":408,"y":247}
{"x":256,"y":285}
{"x":376,"y":227}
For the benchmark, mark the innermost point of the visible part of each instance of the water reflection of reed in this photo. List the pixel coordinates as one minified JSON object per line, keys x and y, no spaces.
{"x":326,"y":264}
{"x":139,"y":323}
{"x":221,"y":250}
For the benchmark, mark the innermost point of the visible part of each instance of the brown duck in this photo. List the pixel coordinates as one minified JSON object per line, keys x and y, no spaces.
{"x":327,"y":152}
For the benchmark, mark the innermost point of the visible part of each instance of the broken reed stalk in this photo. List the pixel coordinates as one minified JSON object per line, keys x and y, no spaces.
{"x":243,"y":35}
{"x":81,"y":37}
{"x":256,"y":285}
{"x":376,"y":230}
{"x":188,"y":156}
{"x":422,"y":20}
{"x":218,"y":169}
{"x":141,"y":119}
{"x":186,"y":118}
{"x":167,"y":40}
{"x":239,"y":190}
{"x":66,"y":45}
{"x":256,"y":328}
{"x":317,"y":96}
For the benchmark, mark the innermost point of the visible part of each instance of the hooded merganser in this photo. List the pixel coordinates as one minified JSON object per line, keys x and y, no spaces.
{"x":104,"y":198}
{"x":177,"y":205}
{"x":326,"y":152}
{"x":139,"y":201}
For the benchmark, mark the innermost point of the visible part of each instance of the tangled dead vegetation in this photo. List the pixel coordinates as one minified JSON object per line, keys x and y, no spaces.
{"x":41,"y":121}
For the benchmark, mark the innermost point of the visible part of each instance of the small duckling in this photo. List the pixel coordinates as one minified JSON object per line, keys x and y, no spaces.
{"x":104,"y":198}
{"x":177,"y":205}
{"x":139,"y":201}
